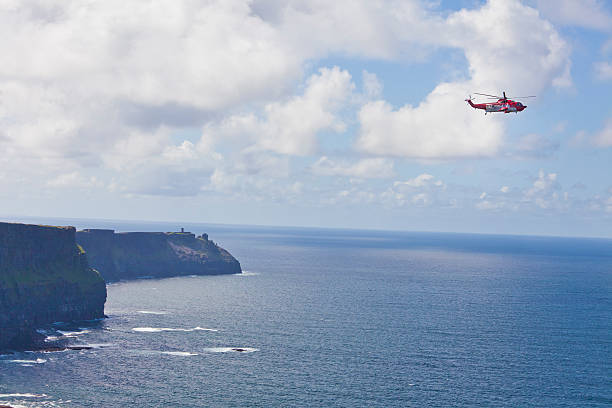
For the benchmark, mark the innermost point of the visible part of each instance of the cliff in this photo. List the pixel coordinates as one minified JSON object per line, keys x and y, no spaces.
{"x":44,"y":278}
{"x":133,"y":255}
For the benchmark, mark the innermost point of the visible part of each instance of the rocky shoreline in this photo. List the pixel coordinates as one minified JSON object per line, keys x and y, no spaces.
{"x":55,"y":274}
{"x":44,"y":278}
{"x":133,"y":255}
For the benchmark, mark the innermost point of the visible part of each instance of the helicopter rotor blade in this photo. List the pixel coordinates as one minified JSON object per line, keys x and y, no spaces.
{"x":522,"y":97}
{"x":490,"y":96}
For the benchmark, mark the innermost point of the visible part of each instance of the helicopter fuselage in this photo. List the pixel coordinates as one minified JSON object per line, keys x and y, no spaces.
{"x":506,"y":106}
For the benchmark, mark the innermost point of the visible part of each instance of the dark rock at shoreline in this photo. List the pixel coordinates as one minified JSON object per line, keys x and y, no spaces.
{"x":133,"y":255}
{"x":44,"y":278}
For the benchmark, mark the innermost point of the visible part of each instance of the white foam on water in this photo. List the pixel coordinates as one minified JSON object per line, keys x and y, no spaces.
{"x":150,"y":329}
{"x":37,"y":361}
{"x":204,"y":329}
{"x":231,"y":349}
{"x":247,"y":273}
{"x":98,"y":345}
{"x":24,"y":395}
{"x":151,"y":312}
{"x":52,"y":338}
{"x":169,"y":329}
{"x":74,"y":333}
{"x":179,"y":353}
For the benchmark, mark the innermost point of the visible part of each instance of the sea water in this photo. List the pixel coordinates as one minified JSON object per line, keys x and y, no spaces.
{"x":344,"y":318}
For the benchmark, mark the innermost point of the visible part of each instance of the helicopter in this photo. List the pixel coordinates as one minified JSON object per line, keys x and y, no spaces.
{"x":503,"y":104}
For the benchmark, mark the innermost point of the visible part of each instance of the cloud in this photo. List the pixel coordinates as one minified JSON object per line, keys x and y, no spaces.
{"x":544,"y":193}
{"x":372,"y":87}
{"x":543,"y":184}
{"x":372,"y":29}
{"x":419,"y":181}
{"x":582,"y":13}
{"x":123,"y":90}
{"x":534,"y":146}
{"x":365,"y":168}
{"x":508,"y":46}
{"x":74,"y":179}
{"x":291,"y":127}
{"x":603,"y":70}
{"x":214,"y":53}
{"x":604,"y":137}
{"x":420,"y":133}
{"x":422,"y":190}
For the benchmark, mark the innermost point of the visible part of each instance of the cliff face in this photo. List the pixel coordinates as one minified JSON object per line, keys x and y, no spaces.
{"x":44,"y":278}
{"x":133,"y":255}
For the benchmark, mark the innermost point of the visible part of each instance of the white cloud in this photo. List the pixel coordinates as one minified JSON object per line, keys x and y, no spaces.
{"x":544,"y":182}
{"x":372,"y":87}
{"x":292,"y":127}
{"x":608,"y":205}
{"x":421,"y":199}
{"x":374,"y":29}
{"x":544,"y":192}
{"x":422,"y":190}
{"x":604,"y":137}
{"x":364,"y":168}
{"x":113,"y":87}
{"x":419,"y":181}
{"x":603,"y":70}
{"x":419,"y":132}
{"x":205,"y":54}
{"x":74,"y":180}
{"x":489,"y":205}
{"x":533,"y":145}
{"x":583,"y":13}
{"x":508,"y":47}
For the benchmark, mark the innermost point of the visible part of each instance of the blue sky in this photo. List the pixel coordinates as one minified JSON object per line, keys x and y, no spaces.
{"x":309,"y":113}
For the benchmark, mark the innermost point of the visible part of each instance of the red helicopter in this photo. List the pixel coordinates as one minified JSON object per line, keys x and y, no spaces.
{"x":503,"y":104}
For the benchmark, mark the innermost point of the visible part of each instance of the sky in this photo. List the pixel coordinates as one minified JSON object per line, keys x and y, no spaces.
{"x":346,"y":114}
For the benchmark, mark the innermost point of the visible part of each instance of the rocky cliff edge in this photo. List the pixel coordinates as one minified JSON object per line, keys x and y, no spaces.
{"x":131,"y":255}
{"x":44,"y":278}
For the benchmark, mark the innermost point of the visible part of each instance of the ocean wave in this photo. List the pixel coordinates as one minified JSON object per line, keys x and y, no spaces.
{"x":151,"y":312}
{"x":98,"y":345}
{"x":247,"y":273}
{"x":23,"y":395}
{"x":146,"y":352}
{"x":231,"y":349}
{"x":37,"y":361}
{"x":74,"y":333}
{"x":169,"y":329}
{"x":179,"y":353}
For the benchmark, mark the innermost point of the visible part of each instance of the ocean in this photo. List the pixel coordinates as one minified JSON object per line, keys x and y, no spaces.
{"x":343,"y":318}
